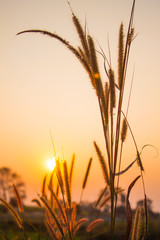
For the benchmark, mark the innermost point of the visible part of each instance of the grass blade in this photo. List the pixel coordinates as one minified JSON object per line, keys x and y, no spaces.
{"x":128,"y":209}
{"x":126,"y":169}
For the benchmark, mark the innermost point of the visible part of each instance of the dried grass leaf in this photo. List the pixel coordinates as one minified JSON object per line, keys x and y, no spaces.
{"x":128,"y":209}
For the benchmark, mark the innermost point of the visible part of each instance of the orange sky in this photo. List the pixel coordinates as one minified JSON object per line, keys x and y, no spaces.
{"x":43,"y":86}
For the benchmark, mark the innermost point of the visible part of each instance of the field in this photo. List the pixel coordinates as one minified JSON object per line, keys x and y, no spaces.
{"x":55,"y":214}
{"x":34,"y":219}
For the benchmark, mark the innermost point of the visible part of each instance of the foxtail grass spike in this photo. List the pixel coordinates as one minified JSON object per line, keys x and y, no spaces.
{"x":13,"y":212}
{"x":103,"y":164}
{"x":87,"y":173}
{"x":51,"y":186}
{"x":106,"y":93}
{"x":130,"y":36}
{"x":19,"y":201}
{"x":93,"y":57}
{"x":124,"y":130}
{"x":120,"y":55}
{"x":106,"y":96}
{"x":82,"y":36}
{"x":112,"y":89}
{"x":93,"y":224}
{"x":94,"y":66}
{"x":139,"y":161}
{"x":72,"y":168}
{"x":37,"y":202}
{"x":136,"y":224}
{"x":79,"y":223}
{"x":82,"y":54}
{"x":146,"y":218}
{"x":66,"y":43}
{"x":59,"y":176}
{"x":86,"y":177}
{"x":44,"y":186}
{"x":67,"y":184}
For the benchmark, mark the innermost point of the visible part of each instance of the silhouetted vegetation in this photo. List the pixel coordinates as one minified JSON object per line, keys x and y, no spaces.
{"x":35,"y":219}
{"x":7,"y":179}
{"x":57,"y":215}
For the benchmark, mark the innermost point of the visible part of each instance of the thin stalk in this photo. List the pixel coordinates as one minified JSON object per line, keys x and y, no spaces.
{"x":105,"y":136}
{"x":112,"y":181}
{"x":112,"y":204}
{"x":68,"y":226}
{"x":121,"y":148}
{"x":126,"y":56}
{"x":65,"y":207}
{"x":137,"y":152}
{"x":112,"y":139}
{"x":111,"y":174}
{"x":119,"y":164}
{"x":81,"y":196}
{"x":118,"y":176}
{"x":124,"y":70}
{"x":54,"y":149}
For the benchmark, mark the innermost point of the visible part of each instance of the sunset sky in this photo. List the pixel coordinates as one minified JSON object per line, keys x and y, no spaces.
{"x":43,"y":87}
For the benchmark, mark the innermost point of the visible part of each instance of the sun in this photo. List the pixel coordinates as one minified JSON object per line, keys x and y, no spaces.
{"x":51,"y":163}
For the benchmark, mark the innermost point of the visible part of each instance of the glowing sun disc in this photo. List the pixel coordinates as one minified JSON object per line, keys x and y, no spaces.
{"x":51,"y":163}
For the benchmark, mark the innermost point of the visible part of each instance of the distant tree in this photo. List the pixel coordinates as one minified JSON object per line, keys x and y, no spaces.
{"x":149,"y":204}
{"x":7,"y":178}
{"x":123,"y":199}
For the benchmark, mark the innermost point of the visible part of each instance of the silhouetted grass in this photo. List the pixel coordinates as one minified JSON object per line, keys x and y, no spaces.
{"x":56,"y":198}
